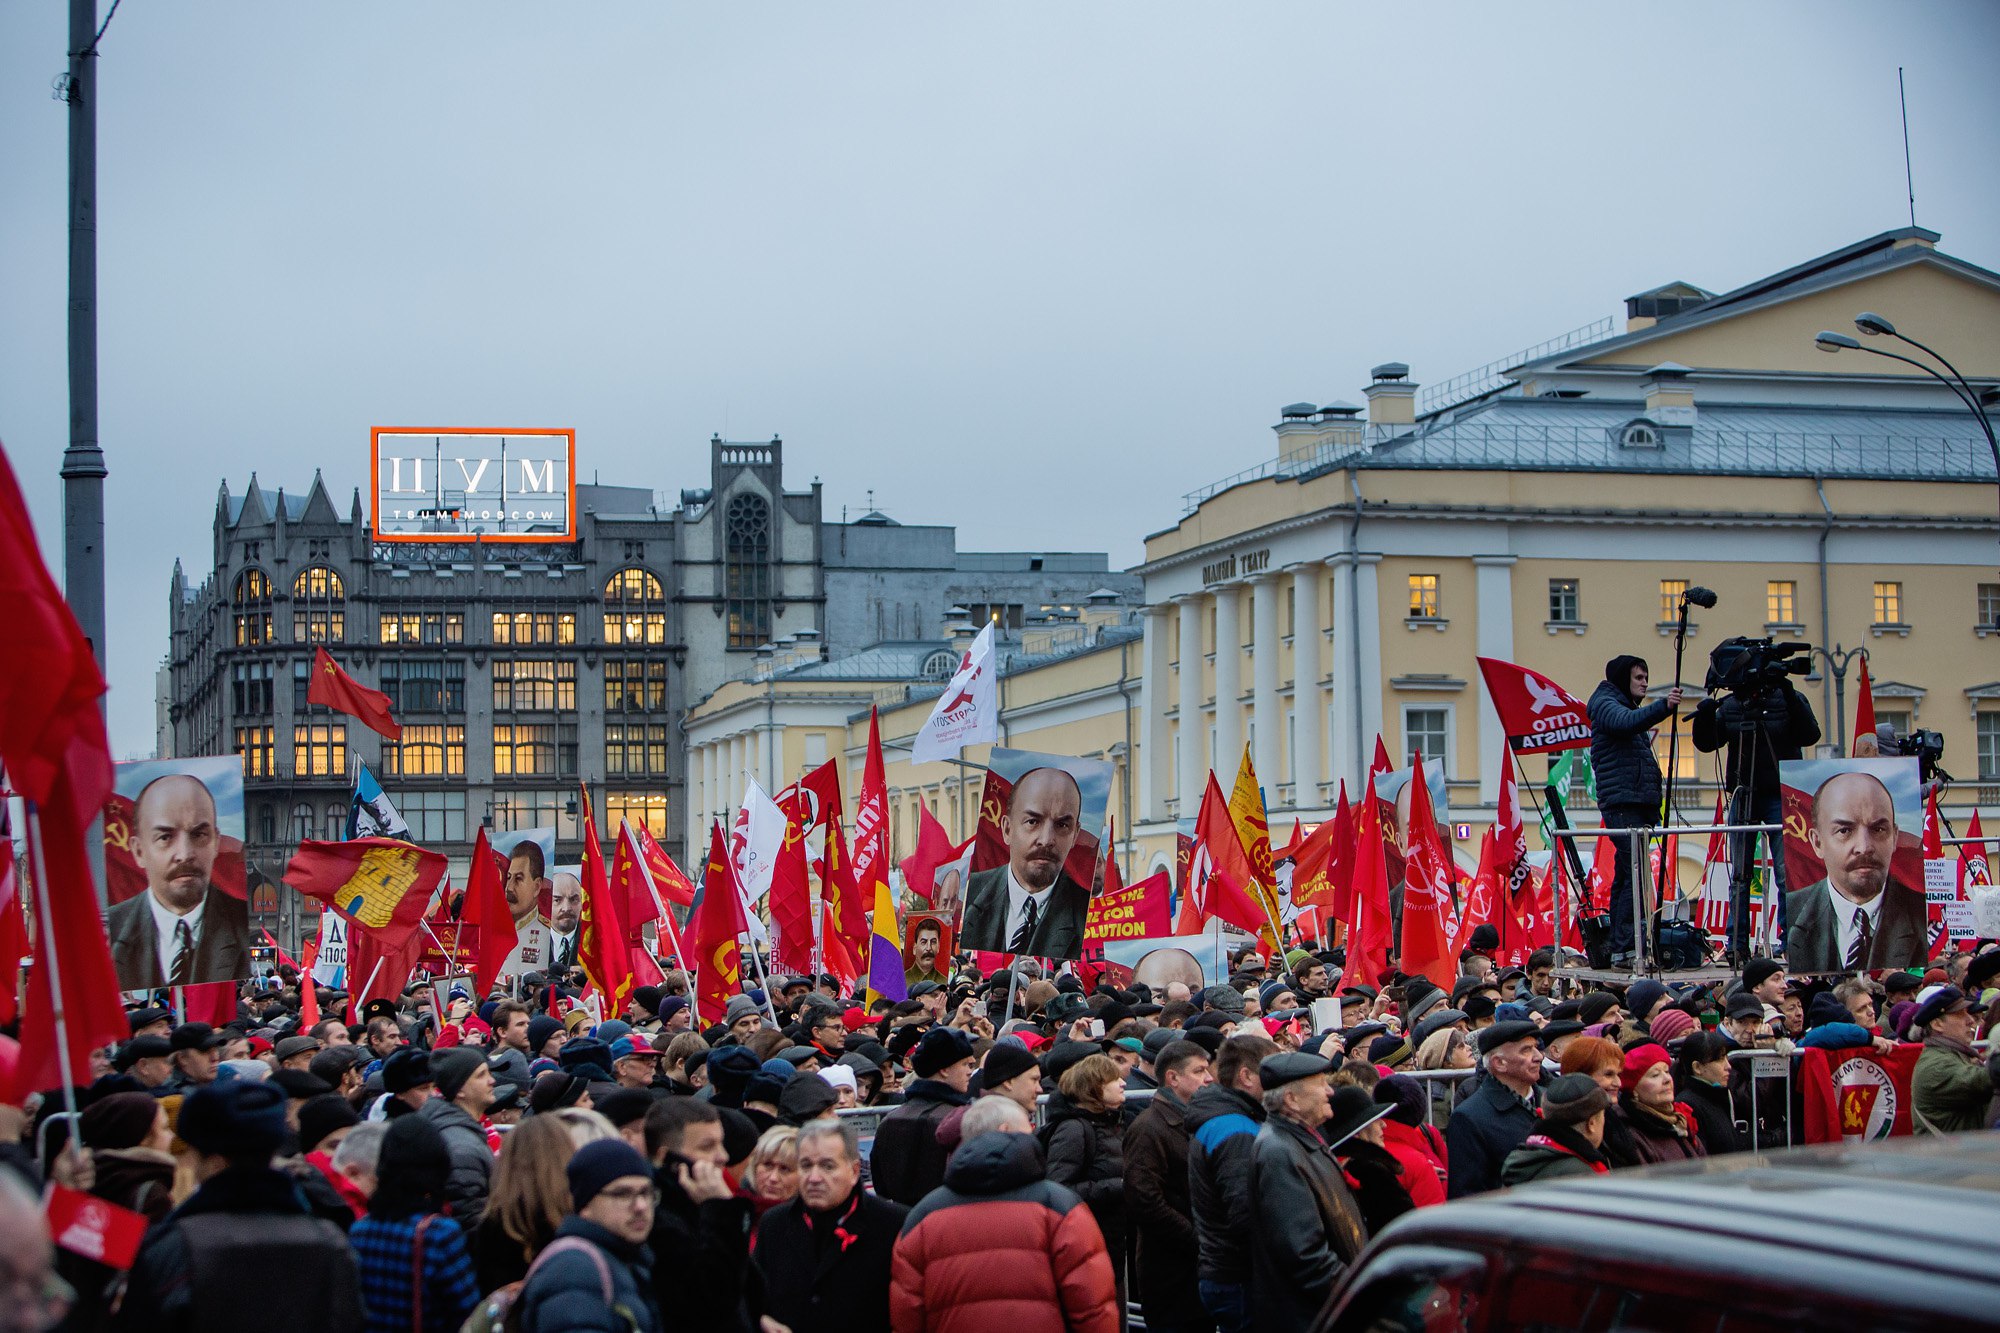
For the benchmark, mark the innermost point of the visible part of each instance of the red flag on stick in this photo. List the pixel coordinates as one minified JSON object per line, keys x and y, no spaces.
{"x":601,"y":946}
{"x":53,"y":747}
{"x":1224,"y":881}
{"x":344,"y":694}
{"x":871,"y":818}
{"x":934,"y":849}
{"x":309,"y":992}
{"x":712,"y":933}
{"x":1374,"y":937}
{"x":1426,"y":891}
{"x":376,"y":968}
{"x":1864,"y":709}
{"x":379,"y":884}
{"x":486,"y":907}
{"x":13,"y":924}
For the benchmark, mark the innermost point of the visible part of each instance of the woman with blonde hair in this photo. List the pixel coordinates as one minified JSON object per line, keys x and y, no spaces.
{"x":584,"y":1126}
{"x":773,"y":1173}
{"x":1448,"y":1049}
{"x":527,"y":1202}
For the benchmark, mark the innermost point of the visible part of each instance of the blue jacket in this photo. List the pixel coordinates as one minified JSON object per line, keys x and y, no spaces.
{"x":565,"y":1293}
{"x":1483,"y":1129}
{"x":1222,"y":1124}
{"x":1621,"y":755}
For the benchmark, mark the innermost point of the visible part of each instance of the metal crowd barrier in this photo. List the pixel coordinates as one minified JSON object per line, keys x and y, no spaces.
{"x":1643,"y":889}
{"x":1763,"y":1065}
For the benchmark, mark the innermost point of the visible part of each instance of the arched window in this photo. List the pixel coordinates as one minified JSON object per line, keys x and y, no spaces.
{"x":336,"y":822}
{"x":319,"y":606}
{"x":939,"y":666}
{"x":252,"y":601}
{"x":302,"y":822}
{"x":747,"y":570}
{"x":635,"y":608}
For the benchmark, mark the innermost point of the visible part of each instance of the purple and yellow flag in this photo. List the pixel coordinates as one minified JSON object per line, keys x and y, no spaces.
{"x":885,"y":955}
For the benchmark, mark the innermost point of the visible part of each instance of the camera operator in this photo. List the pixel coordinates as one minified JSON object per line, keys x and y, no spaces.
{"x":1628,"y":776}
{"x":1762,"y":721}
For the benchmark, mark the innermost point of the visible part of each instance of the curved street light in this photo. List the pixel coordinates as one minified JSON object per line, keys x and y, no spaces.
{"x":1875,"y":326}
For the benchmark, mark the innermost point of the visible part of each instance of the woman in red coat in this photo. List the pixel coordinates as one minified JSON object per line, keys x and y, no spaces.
{"x":1412,"y":1140}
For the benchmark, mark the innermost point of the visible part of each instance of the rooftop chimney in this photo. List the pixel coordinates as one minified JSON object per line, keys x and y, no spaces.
{"x":1392,"y":398}
{"x":1669,"y":397}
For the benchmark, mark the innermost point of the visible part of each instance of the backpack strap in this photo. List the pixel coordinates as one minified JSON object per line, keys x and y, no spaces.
{"x":576,"y":1243}
{"x":417,"y":1274}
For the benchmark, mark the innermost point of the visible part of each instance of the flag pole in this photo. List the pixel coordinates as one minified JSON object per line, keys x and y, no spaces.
{"x":47,"y":951}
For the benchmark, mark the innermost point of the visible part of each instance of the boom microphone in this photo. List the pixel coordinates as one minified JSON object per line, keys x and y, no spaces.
{"x":1702,"y":597}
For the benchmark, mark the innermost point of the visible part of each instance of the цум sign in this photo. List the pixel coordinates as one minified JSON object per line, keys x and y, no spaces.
{"x":456,"y":485}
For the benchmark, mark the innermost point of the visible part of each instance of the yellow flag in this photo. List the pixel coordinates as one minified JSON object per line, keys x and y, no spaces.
{"x":1246,"y":812}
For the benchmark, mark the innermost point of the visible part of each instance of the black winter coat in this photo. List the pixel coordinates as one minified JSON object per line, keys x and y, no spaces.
{"x":1785,"y":728}
{"x":566,"y":1294}
{"x":907,"y":1161}
{"x":1490,"y":1124}
{"x":1376,"y":1179}
{"x":194,"y":1271}
{"x":1715,"y":1117}
{"x":816,"y":1278}
{"x":702,"y":1269}
{"x":1222,"y":1126}
{"x":1159,"y":1212}
{"x":471,"y":1159}
{"x":1308,"y":1227}
{"x":1087,"y":1153}
{"x":1621,"y":753}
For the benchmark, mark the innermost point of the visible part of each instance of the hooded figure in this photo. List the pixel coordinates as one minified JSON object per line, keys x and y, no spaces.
{"x":1629,"y":786}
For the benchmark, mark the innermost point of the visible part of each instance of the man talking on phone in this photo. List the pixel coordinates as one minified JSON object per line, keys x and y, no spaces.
{"x":701,"y":1229}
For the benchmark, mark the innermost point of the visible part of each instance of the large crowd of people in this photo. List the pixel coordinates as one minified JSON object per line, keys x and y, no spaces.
{"x":1039,"y":1156}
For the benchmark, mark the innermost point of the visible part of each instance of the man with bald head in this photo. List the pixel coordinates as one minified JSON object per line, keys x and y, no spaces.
{"x":182,"y":930}
{"x":1029,"y":906}
{"x":1857,"y":918}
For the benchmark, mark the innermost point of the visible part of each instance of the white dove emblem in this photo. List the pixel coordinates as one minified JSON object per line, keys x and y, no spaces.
{"x":1546,"y":696}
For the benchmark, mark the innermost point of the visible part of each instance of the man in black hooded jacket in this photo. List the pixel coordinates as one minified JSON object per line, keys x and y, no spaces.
{"x":1629,"y":786}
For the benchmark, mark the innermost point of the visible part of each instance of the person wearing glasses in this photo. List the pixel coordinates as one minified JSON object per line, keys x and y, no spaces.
{"x":597,"y":1274}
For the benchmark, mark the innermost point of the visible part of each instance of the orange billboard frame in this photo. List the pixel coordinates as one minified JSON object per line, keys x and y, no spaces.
{"x":375,"y":434}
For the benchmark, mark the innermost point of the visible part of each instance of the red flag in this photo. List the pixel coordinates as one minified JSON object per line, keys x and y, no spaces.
{"x":89,"y":1226}
{"x":1864,"y":708}
{"x":1857,"y":1095}
{"x":638,"y":902}
{"x":1323,"y":870}
{"x":53,"y":748}
{"x":934,"y":849}
{"x":486,"y":908}
{"x":1933,"y":848}
{"x":1603,"y":869}
{"x":1538,"y":715}
{"x":1481,"y":898}
{"x":871,"y":818}
{"x":1565,"y":902}
{"x":1374,"y":930}
{"x":344,"y":694}
{"x":308,"y":992}
{"x":1426,"y":892}
{"x":380,"y":884}
{"x":376,"y":967}
{"x":671,"y":882}
{"x":1222,"y":875}
{"x":1978,"y":870}
{"x":712,"y":931}
{"x":791,"y":901}
{"x":1290,"y":851}
{"x":601,"y":946}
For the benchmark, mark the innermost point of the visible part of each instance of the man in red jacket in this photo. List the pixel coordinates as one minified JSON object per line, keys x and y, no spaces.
{"x":999,"y":1246}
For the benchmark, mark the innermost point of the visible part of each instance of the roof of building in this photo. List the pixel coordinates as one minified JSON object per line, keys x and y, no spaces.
{"x":1588,"y":435}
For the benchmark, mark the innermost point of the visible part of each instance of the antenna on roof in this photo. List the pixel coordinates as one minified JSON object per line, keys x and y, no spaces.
{"x":1909,"y":182}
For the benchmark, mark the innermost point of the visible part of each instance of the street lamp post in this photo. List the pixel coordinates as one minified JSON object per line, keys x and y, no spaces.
{"x":1837,"y":660}
{"x":1875,"y":326}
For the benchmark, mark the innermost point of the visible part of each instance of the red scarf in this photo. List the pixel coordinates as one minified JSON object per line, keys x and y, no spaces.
{"x":1543,"y":1141}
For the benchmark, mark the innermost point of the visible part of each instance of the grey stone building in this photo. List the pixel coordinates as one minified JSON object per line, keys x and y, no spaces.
{"x":518,"y":670}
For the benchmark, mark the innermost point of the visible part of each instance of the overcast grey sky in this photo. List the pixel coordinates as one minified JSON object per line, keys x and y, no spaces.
{"x":1032,"y":269}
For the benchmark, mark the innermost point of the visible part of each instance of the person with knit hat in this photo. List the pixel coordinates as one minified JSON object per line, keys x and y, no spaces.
{"x":465,"y":1089}
{"x":597,"y":1274}
{"x":196,"y":1267}
{"x":907,"y":1161}
{"x":1416,"y":1144}
{"x":1663,"y":1128}
{"x":129,"y":1141}
{"x":1669,"y":1026}
{"x":1569,"y":1139}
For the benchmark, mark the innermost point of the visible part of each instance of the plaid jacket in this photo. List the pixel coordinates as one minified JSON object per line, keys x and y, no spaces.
{"x":385,"y":1254}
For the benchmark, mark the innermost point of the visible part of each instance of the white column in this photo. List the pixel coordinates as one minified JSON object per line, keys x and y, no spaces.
{"x":1495,"y":638}
{"x":1270,"y":730}
{"x":1153,"y":763}
{"x":1308,"y":706}
{"x":697,"y":780}
{"x":1357,"y":665}
{"x":1228,"y":682}
{"x":1188,"y":783}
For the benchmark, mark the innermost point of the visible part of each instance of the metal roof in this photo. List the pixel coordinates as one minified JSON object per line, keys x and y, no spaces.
{"x":1583,"y":435}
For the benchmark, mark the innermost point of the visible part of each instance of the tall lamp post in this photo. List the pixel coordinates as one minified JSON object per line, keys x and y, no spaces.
{"x":1875,"y":326}
{"x":1838,"y":659}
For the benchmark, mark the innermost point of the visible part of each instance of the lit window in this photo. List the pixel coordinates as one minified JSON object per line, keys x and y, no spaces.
{"x":1423,"y":597}
{"x":252,"y":599}
{"x":426,"y":751}
{"x":534,"y":685}
{"x":258,"y":746}
{"x":1888,"y":603}
{"x":319,"y":606}
{"x":635,"y":686}
{"x":635,"y":748}
{"x":1781,"y":602}
{"x":1670,"y":599}
{"x":319,"y":750}
{"x":640,"y":809}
